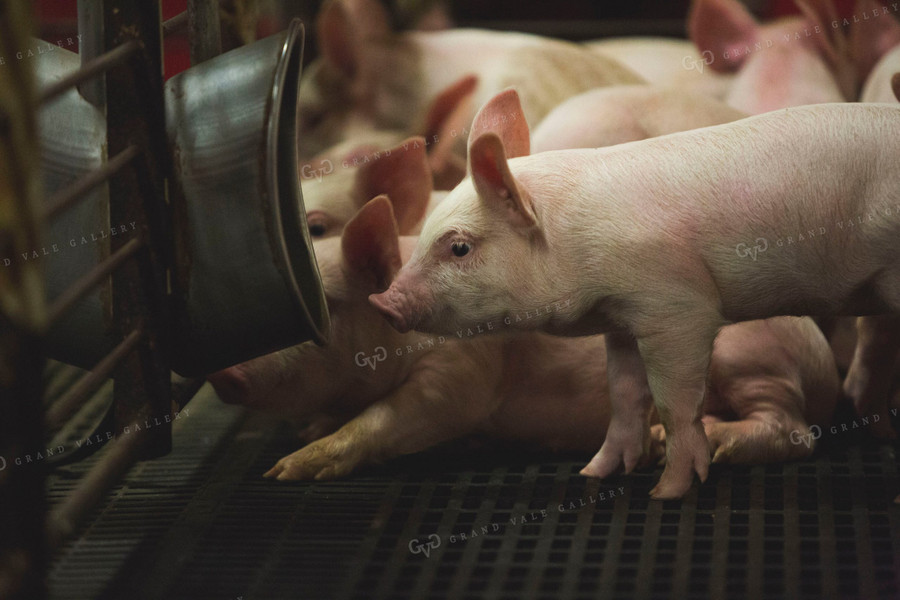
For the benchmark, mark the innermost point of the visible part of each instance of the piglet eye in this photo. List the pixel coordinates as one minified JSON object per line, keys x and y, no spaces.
{"x":316,"y":229}
{"x":460,"y":248}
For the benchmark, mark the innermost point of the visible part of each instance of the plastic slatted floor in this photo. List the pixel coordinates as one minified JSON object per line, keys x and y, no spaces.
{"x":457,"y":523}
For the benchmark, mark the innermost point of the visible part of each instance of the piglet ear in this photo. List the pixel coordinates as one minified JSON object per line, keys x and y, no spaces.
{"x":872,"y":39}
{"x":370,"y":242}
{"x":494,"y":182}
{"x":448,"y":116}
{"x":722,"y":27}
{"x":344,"y":27}
{"x":833,"y":44}
{"x":895,"y":86}
{"x":337,"y":40}
{"x":504,"y":117}
{"x":404,"y":175}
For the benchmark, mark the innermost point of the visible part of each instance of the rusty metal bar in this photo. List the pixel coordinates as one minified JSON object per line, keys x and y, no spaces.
{"x":136,"y":116}
{"x":93,"y":68}
{"x":93,"y":278}
{"x":64,"y":198}
{"x":205,"y":30}
{"x":120,"y":456}
{"x":90,"y":382}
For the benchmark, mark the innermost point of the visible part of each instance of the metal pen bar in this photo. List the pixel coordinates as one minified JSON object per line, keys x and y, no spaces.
{"x":102,"y":63}
{"x":88,"y":282}
{"x":205,"y":30}
{"x":90,"y":382}
{"x":67,"y":196}
{"x":121,"y":455}
{"x":175,"y":24}
{"x":90,"y":29}
{"x":135,"y":115}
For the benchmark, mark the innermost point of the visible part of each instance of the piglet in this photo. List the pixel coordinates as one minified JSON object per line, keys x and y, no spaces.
{"x":374,"y":393}
{"x":335,"y":192}
{"x":789,"y":62}
{"x":666,"y":240}
{"x":667,"y":62}
{"x":875,"y":42}
{"x":627,"y":113}
{"x":370,"y":78}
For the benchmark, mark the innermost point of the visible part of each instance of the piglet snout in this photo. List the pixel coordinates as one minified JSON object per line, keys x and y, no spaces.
{"x":231,"y":385}
{"x":389,"y":304}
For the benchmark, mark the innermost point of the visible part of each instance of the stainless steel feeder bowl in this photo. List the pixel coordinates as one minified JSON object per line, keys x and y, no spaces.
{"x":245,"y":280}
{"x":247,"y":276}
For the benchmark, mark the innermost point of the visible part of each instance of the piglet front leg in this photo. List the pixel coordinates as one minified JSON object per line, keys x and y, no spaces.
{"x":628,"y":436}
{"x":677,"y":361}
{"x":436,"y":404}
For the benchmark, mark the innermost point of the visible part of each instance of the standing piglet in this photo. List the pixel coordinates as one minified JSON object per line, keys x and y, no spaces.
{"x":370,"y":78}
{"x":374,"y":393}
{"x":666,"y":240}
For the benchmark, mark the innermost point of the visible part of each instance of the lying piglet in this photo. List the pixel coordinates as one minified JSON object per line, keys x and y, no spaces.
{"x":384,"y":394}
{"x":626,"y":113}
{"x":370,"y":78}
{"x":666,"y":240}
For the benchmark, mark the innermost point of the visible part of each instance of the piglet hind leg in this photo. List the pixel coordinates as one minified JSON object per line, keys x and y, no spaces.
{"x":677,"y":361}
{"x":628,"y":436}
{"x":871,"y":374}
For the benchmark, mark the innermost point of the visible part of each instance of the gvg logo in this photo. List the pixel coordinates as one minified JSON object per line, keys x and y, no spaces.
{"x":379,"y":355}
{"x":690,"y":63}
{"x":307,"y":172}
{"x":743,"y":250}
{"x":417,"y":547}
{"x":797,"y":438}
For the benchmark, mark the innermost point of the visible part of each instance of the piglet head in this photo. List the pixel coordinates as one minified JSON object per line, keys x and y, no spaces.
{"x":339,"y":183}
{"x":340,"y":95}
{"x":479,"y":255}
{"x":307,"y":378}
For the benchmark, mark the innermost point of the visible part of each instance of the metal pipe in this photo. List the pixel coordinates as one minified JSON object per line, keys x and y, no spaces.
{"x":90,"y":382}
{"x":175,"y":24}
{"x":121,"y":455}
{"x":205,"y":30}
{"x":101,"y":64}
{"x":90,"y":28}
{"x":93,"y":278}
{"x":65,"y":197}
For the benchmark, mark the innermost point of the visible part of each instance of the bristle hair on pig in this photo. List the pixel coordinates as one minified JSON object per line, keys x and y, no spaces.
{"x":652,"y":239}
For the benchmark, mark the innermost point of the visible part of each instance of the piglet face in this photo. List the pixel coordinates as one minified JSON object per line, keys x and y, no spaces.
{"x":481,"y":256}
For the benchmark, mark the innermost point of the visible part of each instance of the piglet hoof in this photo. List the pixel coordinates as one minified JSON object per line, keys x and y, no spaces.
{"x":686,"y":454}
{"x":657,"y":453}
{"x":323,"y":460}
{"x":867,"y":394}
{"x":624,"y":447}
